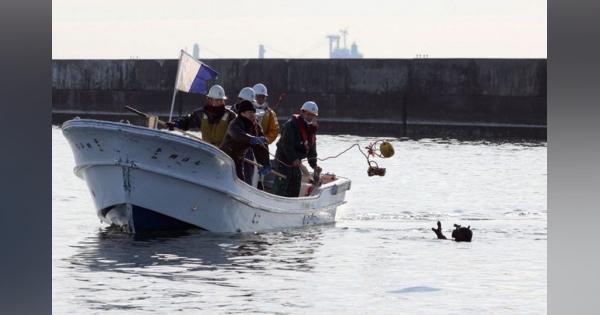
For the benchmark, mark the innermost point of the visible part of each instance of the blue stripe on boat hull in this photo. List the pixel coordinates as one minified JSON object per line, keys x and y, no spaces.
{"x":148,"y":220}
{"x":144,"y":219}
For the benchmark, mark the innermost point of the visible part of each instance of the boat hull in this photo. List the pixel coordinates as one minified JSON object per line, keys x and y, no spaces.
{"x":145,"y":179}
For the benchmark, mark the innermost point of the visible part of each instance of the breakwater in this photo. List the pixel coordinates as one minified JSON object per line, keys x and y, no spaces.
{"x":458,"y":98}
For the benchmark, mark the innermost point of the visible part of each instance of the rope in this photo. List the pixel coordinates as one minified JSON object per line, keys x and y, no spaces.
{"x":346,"y":150}
{"x":326,"y":158}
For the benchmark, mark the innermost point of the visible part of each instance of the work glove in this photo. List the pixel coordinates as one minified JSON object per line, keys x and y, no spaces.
{"x":171,"y":125}
{"x":258,"y":140}
{"x":317,"y":169}
{"x":317,"y":175}
{"x":265,"y":170}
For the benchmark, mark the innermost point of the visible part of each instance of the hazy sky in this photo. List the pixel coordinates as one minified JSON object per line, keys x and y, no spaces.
{"x":297,"y":29}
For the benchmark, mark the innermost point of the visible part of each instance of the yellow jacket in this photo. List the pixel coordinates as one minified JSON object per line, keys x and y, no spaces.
{"x":270,"y":125}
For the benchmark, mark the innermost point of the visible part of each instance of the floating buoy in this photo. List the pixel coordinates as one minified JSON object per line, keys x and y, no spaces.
{"x":386,"y":149}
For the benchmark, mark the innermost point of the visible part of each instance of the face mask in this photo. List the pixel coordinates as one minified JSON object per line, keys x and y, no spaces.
{"x":309,"y":121}
{"x":214,"y":110}
{"x":263,"y":106}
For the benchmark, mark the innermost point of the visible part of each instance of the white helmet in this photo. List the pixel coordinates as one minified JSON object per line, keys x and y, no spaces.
{"x":260,"y":89}
{"x":217,"y":92}
{"x":310,"y":107}
{"x":247,"y":93}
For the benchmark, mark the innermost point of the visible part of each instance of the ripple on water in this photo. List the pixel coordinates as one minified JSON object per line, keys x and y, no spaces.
{"x":524,"y":213}
{"x":418,"y":216}
{"x":420,"y":289}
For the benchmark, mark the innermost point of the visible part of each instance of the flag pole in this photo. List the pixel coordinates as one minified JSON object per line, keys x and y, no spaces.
{"x":175,"y":87}
{"x":172,"y":104}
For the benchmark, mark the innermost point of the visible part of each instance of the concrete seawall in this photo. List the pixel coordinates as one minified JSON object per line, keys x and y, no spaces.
{"x":460,"y":98}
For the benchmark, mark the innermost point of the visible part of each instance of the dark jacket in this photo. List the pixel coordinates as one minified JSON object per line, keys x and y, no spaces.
{"x":237,"y":140}
{"x":194,"y":120}
{"x":295,"y":144}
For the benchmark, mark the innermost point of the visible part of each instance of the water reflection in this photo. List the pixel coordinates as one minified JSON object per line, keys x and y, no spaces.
{"x":175,"y":255}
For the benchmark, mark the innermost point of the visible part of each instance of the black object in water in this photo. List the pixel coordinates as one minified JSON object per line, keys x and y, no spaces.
{"x":460,"y":234}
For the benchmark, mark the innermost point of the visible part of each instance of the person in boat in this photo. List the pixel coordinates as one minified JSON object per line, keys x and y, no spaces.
{"x":243,"y":134}
{"x":298,"y":141}
{"x":460,"y":234}
{"x":265,"y":115}
{"x":246,"y":94}
{"x":212,"y":119}
{"x":267,"y":119}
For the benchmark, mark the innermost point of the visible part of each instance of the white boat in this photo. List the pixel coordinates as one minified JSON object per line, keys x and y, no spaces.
{"x":147,"y":179}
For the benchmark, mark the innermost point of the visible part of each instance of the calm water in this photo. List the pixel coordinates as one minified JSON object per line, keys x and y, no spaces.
{"x":379,"y":258}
